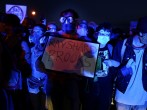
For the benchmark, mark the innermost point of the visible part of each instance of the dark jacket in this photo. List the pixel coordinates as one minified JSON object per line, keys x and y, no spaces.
{"x":123,"y":81}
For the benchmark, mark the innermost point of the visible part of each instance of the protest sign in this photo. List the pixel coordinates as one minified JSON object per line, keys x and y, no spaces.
{"x":71,"y":56}
{"x":18,"y":10}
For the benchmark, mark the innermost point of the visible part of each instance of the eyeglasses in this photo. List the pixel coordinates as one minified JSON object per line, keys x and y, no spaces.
{"x":68,"y":19}
{"x":104,"y":33}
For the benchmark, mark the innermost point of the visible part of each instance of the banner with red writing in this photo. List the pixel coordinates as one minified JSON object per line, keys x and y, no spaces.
{"x":71,"y":56}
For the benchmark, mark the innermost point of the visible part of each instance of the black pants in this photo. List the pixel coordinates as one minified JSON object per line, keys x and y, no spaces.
{"x":97,"y":95}
{"x":37,"y":101}
{"x":65,"y":94}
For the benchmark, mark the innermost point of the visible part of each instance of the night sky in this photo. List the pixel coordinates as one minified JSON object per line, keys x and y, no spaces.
{"x":117,"y":12}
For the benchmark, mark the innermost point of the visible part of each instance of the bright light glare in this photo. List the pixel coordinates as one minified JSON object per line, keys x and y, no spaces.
{"x":33,"y":13}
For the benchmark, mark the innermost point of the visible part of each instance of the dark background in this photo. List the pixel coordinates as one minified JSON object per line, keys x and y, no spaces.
{"x":117,"y":12}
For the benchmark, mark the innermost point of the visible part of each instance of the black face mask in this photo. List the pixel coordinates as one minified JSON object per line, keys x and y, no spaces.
{"x":68,"y":28}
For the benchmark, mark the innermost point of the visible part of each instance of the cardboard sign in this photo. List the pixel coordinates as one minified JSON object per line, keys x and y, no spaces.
{"x":18,"y":10}
{"x":71,"y":56}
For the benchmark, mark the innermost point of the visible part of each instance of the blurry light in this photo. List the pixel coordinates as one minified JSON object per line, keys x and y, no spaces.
{"x":33,"y":13}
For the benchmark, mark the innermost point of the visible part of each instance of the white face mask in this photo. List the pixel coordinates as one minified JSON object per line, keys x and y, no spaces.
{"x":103,"y":37}
{"x":82,"y":32}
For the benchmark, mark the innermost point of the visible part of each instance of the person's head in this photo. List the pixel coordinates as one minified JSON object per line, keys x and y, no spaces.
{"x":142,"y":29}
{"x":51,"y":27}
{"x":132,"y":28}
{"x":68,"y":19}
{"x":37,"y":32}
{"x":29,"y":23}
{"x":92,"y":25}
{"x":103,"y":33}
{"x":82,"y":28}
{"x":11,"y":19}
{"x":12,"y":22}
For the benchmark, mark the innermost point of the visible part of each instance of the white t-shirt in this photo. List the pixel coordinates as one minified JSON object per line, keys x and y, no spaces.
{"x":135,"y":93}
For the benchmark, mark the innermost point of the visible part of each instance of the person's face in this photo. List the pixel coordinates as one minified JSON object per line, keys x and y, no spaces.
{"x":36,"y":34}
{"x":143,"y":38}
{"x":103,"y":36}
{"x":67,"y":22}
{"x":82,"y":30}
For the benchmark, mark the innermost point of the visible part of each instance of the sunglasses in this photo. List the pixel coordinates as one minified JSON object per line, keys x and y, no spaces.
{"x":66,"y":19}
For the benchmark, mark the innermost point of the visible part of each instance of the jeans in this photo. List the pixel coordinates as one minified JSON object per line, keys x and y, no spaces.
{"x":121,"y":106}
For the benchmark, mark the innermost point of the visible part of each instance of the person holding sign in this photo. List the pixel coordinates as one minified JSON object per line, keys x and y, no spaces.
{"x":67,"y":83}
{"x":64,"y":85}
{"x":68,"y":20}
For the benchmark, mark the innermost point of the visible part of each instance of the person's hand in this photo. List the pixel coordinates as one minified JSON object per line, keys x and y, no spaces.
{"x":130,"y":63}
{"x":127,"y":69}
{"x":110,"y":63}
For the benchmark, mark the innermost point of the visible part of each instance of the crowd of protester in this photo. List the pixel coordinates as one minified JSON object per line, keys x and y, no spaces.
{"x":119,"y":81}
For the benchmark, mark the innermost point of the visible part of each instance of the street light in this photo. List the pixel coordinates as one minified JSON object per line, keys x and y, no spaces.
{"x":33,"y":13}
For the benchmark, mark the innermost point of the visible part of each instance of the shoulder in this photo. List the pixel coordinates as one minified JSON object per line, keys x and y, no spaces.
{"x":110,"y":48}
{"x":24,"y":43}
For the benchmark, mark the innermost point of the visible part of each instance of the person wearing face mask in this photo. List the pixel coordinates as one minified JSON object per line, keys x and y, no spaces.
{"x":82,"y":30}
{"x":131,"y":80}
{"x":98,"y":90}
{"x":103,"y":37}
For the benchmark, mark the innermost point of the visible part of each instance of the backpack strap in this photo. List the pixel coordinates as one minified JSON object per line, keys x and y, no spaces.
{"x":123,"y":48}
{"x":110,"y":48}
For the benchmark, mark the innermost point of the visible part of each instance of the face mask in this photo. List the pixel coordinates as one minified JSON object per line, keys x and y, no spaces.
{"x":68,"y":27}
{"x":103,"y":39}
{"x":82,"y":32}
